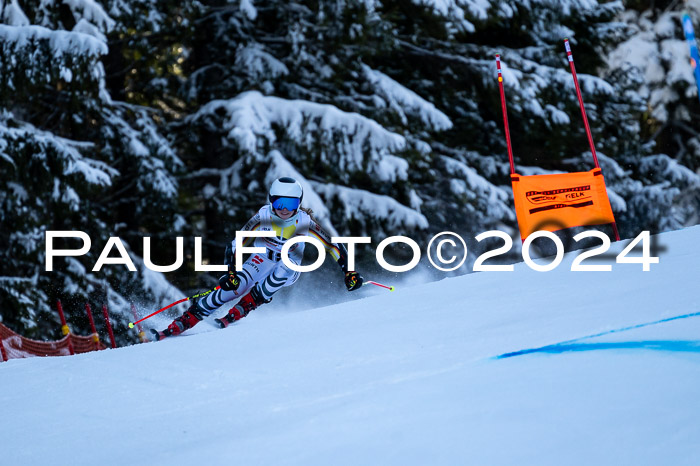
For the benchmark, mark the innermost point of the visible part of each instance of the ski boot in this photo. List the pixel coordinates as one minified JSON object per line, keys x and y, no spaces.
{"x":187,"y":320}
{"x":247,"y":303}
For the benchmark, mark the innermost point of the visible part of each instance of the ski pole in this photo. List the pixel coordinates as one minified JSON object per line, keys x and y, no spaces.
{"x":131,"y":324}
{"x":390,"y":288}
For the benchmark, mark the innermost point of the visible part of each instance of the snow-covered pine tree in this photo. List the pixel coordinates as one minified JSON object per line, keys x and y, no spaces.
{"x":272,"y":85}
{"x":660,"y":181}
{"x":133,"y":117}
{"x":73,"y":159}
{"x":364,"y":99}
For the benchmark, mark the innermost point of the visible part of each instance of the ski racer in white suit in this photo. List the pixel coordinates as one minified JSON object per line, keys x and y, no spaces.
{"x":263,"y":274}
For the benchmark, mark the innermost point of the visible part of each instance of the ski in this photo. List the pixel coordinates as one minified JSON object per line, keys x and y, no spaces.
{"x":160,"y":335}
{"x":223,"y":322}
{"x":157,"y":336}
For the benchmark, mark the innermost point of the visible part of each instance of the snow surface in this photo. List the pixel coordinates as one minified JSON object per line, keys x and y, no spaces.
{"x":489,"y":368}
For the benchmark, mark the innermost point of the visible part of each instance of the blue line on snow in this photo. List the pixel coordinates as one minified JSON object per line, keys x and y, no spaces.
{"x":570,"y":345}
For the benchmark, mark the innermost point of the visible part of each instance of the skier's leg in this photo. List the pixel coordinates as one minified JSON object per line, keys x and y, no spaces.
{"x":280,"y":276}
{"x":187,"y":320}
{"x":202,"y":307}
{"x":250,"y":301}
{"x":254,"y":269}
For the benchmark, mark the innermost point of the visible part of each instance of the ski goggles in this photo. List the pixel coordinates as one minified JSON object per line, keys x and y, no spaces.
{"x":289,"y":203}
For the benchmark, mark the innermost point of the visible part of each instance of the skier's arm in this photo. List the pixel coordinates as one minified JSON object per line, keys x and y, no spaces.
{"x":337,"y":251}
{"x":353,"y":280}
{"x":230,"y":253}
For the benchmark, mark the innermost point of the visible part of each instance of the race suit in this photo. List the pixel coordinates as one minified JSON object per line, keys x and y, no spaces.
{"x":266,"y":270}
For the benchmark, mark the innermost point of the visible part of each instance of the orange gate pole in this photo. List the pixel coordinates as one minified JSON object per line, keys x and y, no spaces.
{"x":570,"y":57}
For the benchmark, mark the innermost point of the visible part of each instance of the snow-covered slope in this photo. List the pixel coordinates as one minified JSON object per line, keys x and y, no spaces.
{"x":595,"y":368}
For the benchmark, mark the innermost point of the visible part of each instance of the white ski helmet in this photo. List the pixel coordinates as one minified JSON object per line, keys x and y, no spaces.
{"x":286,"y":193}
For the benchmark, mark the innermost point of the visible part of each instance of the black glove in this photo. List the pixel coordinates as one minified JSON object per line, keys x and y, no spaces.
{"x":229,"y":282}
{"x":353,"y":280}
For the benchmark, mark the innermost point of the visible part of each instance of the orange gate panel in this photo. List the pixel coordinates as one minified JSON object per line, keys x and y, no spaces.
{"x":558,"y":201}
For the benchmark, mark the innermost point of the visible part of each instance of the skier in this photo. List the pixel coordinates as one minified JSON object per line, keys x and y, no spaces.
{"x":262,"y":275}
